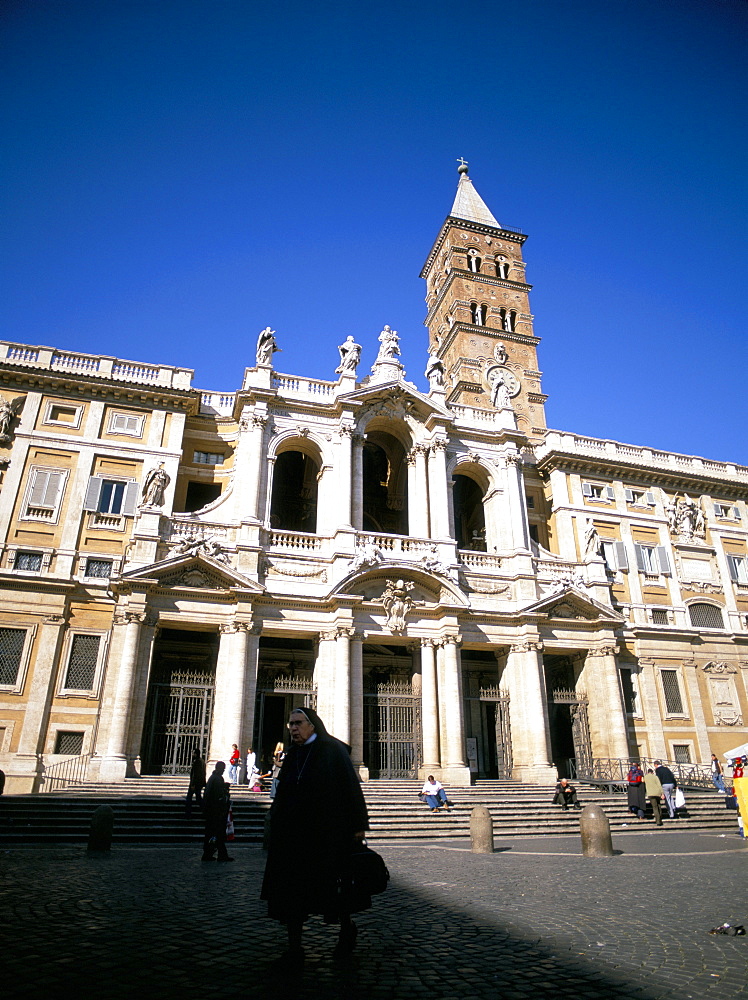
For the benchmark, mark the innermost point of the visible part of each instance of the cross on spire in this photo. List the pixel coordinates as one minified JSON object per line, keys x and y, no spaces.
{"x":463,"y":167}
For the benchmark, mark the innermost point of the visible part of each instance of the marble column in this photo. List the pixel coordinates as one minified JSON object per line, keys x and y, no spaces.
{"x":607,"y":717}
{"x":357,"y":703}
{"x":655,"y":733}
{"x":438,"y":499}
{"x":324,"y":677}
{"x":429,"y":708}
{"x":418,"y":507}
{"x":342,"y":685}
{"x":228,"y":702}
{"x":357,"y":482}
{"x":344,"y":498}
{"x":453,"y":769}
{"x":528,"y":712}
{"x":691,"y":673}
{"x":251,"y":664}
{"x":516,"y":501}
{"x":255,"y":461}
{"x":114,"y":764}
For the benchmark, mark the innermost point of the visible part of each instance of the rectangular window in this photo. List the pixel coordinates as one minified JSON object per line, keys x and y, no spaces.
{"x":82,"y":662}
{"x":738,"y":567}
{"x":12,"y":643}
{"x":126,"y":423}
{"x":614,"y":554}
{"x":69,"y":743}
{"x":31,"y":562}
{"x":208,"y":458}
{"x":595,"y":491}
{"x":629,"y":692}
{"x":98,"y":569}
{"x":652,"y":560}
{"x":659,"y":616}
{"x":111,"y":497}
{"x":530,"y":502}
{"x":639,"y":498}
{"x":44,"y":493}
{"x":682,"y":753}
{"x":727,"y":511}
{"x":671,"y":691}
{"x":59,"y":413}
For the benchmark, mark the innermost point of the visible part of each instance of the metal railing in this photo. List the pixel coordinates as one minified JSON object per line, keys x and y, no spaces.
{"x":68,"y":772}
{"x":612,"y":771}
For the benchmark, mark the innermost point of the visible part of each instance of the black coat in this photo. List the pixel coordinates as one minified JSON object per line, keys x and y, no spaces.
{"x":318,"y":806}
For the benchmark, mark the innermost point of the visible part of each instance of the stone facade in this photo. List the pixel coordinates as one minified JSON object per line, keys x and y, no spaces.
{"x":459,"y":590}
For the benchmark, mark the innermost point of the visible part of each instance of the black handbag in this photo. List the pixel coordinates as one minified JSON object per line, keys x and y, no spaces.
{"x":366,"y":872}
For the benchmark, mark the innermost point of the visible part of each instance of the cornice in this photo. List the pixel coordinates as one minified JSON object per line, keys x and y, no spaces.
{"x":504,"y":335}
{"x":482,"y":278}
{"x":473,"y":227}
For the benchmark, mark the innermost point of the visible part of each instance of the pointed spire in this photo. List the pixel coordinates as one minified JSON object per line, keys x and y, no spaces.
{"x":468,"y":203}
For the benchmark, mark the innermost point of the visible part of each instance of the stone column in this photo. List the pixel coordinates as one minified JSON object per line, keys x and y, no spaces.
{"x":228,"y":703}
{"x":418,"y":512}
{"x":269,"y":465}
{"x":36,"y":715}
{"x":357,"y":482}
{"x":516,"y":501}
{"x":255,"y":460}
{"x":357,"y":704}
{"x":114,"y":765}
{"x":324,"y":676}
{"x":528,"y":712}
{"x":342,"y":685}
{"x":651,"y":706}
{"x":691,"y":671}
{"x":438,"y":492}
{"x":251,"y":662}
{"x":607,"y":718}
{"x":453,"y":767}
{"x":429,"y":709}
{"x":344,"y":478}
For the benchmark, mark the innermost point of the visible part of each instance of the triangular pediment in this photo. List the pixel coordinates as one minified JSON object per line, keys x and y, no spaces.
{"x":397,"y":400}
{"x":572,"y":604}
{"x":194,"y":572}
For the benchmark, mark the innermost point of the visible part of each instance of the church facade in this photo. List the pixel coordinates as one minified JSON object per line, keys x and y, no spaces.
{"x":456,"y":588}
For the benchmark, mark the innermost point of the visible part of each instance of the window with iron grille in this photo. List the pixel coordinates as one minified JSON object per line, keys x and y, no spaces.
{"x":12,"y":641}
{"x":659,"y":616}
{"x":682,"y":753}
{"x":100,"y":569}
{"x":84,"y":655}
{"x":705,"y":616}
{"x":69,"y":743}
{"x":30,"y":561}
{"x":671,"y":690}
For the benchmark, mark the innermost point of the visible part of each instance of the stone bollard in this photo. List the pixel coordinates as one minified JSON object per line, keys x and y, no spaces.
{"x":481,"y":831}
{"x":595,"y":830}
{"x":100,"y":834}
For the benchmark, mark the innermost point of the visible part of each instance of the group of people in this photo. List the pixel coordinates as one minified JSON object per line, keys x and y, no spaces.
{"x":658,"y":784}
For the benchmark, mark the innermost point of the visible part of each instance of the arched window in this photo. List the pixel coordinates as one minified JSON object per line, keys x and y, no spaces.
{"x":385,"y":485}
{"x":502,"y":267}
{"x":705,"y":616}
{"x":293,"y":505}
{"x":470,"y":523}
{"x":478,"y":313}
{"x":474,"y":261}
{"x":508,"y":319}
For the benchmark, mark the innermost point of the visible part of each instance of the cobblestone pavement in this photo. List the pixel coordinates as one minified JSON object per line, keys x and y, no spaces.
{"x":535,"y":919}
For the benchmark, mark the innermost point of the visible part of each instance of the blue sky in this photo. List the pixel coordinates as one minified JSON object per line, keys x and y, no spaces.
{"x":177,"y":175}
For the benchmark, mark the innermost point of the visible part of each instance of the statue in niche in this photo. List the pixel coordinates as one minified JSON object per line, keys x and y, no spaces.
{"x":397,"y":603}
{"x":350,"y":356}
{"x":9,"y":410}
{"x":266,"y":346}
{"x":592,"y":544}
{"x":390,"y":349}
{"x":500,"y":393}
{"x":685,"y":517}
{"x":435,"y":371}
{"x":154,"y":487}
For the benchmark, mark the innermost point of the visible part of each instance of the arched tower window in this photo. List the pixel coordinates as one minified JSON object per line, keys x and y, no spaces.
{"x":502,"y":267}
{"x":293,"y":504}
{"x":508,"y":319}
{"x":470,"y":523}
{"x":474,"y":261}
{"x":478,"y":313}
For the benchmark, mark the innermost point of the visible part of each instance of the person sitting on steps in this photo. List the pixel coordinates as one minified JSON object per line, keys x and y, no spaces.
{"x":565,"y":793}
{"x":434,"y":794}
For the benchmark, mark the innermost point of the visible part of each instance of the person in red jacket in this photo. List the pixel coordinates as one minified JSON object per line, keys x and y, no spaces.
{"x":234,"y":761}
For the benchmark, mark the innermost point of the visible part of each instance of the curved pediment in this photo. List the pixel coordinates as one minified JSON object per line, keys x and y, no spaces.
{"x":194,"y":572}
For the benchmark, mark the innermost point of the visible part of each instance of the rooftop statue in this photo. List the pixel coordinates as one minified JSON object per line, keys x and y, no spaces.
{"x":266,"y":346}
{"x":350,"y":356}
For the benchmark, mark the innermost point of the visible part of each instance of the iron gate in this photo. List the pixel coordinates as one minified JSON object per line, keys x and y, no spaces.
{"x":179,"y":722}
{"x":393,"y":745}
{"x":580,"y":727}
{"x":503,"y":729}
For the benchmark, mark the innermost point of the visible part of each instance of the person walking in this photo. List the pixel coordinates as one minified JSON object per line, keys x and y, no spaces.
{"x":197,"y":782}
{"x":654,"y":794}
{"x":635,"y":790}
{"x":318,"y":815}
{"x":717,"y":775}
{"x":669,"y":784}
{"x":234,"y":761}
{"x":216,"y":805}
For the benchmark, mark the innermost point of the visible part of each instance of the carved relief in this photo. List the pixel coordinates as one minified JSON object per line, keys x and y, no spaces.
{"x":719,"y":667}
{"x":397,"y":603}
{"x":298,"y":570}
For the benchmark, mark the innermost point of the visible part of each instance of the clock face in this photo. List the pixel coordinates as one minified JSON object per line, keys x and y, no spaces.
{"x":511,"y":381}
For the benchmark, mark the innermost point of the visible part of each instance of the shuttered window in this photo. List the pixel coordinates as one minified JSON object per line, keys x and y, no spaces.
{"x":111,"y":496}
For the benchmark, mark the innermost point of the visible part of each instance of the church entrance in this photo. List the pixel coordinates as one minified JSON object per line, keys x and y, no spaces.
{"x":393,"y":741}
{"x":284,"y":681}
{"x":571,"y":746}
{"x":180,"y":700}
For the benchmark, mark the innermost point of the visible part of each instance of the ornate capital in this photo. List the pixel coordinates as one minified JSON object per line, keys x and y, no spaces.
{"x":329,"y":636}
{"x":527,"y":646}
{"x":129,"y":618}
{"x":358,"y":439}
{"x":346,"y":430}
{"x":259,"y":420}
{"x":228,"y":628}
{"x":609,"y":650}
{"x":439,"y":444}
{"x":450,"y":640}
{"x":430,"y":642}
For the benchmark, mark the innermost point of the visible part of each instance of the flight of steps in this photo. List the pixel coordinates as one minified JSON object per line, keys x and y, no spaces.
{"x":150,"y":811}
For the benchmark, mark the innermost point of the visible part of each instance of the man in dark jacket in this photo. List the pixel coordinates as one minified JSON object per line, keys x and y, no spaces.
{"x":317,"y":816}
{"x":669,"y":784}
{"x":216,"y":804}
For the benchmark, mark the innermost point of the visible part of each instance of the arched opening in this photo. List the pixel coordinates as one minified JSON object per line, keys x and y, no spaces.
{"x":502,"y":267}
{"x":474,"y":261}
{"x":705,"y":616}
{"x":385,"y":486}
{"x":293,"y":505}
{"x":478,"y":313}
{"x":470,"y":523}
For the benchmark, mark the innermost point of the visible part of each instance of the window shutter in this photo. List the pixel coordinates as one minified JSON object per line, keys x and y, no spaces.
{"x":93,"y":492}
{"x":622,"y":559}
{"x":45,"y":488}
{"x":52,"y":492}
{"x":610,"y":493}
{"x":130,"y":499}
{"x":736,"y":513}
{"x":586,"y":490}
{"x":732,"y":565}
{"x":663,"y":559}
{"x":629,"y":494}
{"x":640,"y":563}
{"x":650,"y":498}
{"x":717,"y":510}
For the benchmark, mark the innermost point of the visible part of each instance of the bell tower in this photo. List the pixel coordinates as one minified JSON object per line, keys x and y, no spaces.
{"x":479,"y":318}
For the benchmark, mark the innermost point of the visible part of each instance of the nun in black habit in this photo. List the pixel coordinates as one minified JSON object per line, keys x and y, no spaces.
{"x":316,"y":818}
